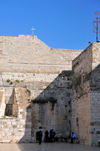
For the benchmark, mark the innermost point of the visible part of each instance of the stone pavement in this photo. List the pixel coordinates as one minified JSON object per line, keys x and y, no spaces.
{"x":47,"y":147}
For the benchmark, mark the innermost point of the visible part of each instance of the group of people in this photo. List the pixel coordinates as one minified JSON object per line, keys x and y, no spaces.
{"x":51,"y":138}
{"x":51,"y":134}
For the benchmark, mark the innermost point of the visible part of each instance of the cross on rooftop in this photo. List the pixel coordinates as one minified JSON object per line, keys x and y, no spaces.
{"x":96,"y":13}
{"x":96,"y":23}
{"x":33,"y":30}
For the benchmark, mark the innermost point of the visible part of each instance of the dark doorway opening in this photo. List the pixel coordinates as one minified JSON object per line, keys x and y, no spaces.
{"x":8,"y":111}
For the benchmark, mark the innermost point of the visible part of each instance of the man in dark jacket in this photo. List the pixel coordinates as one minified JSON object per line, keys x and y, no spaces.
{"x":40,"y":137}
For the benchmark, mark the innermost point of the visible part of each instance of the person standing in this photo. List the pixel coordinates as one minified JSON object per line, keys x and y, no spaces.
{"x":51,"y":135}
{"x":40,"y":137}
{"x":46,"y":136}
{"x":73,"y":136}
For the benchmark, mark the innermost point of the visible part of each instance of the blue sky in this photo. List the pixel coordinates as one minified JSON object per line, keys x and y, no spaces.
{"x":59,"y":23}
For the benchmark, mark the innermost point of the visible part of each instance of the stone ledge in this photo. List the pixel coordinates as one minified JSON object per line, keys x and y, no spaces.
{"x":5,"y":141}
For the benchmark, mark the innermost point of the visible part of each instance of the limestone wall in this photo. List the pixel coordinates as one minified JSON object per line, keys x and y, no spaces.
{"x":31,"y":70}
{"x":2,"y":102}
{"x":16,"y":129}
{"x":27,"y":54}
{"x":95,"y":104}
{"x":95,"y":117}
{"x":38,"y":87}
{"x":28,"y":77}
{"x":50,"y":109}
{"x":95,"y":54}
{"x":82,"y":67}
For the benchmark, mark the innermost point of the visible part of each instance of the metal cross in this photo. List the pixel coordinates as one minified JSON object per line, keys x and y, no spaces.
{"x":96,"y":21}
{"x":33,"y":30}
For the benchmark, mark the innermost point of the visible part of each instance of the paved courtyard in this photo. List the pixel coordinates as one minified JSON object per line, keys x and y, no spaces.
{"x":47,"y":147}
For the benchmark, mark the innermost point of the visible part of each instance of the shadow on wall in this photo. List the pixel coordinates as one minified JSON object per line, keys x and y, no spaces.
{"x":36,"y":106}
{"x":49,"y":107}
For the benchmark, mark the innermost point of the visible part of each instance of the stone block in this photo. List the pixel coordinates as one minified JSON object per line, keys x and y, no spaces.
{"x":8,"y":122}
{"x":14,"y":123}
{"x":10,"y":130}
{"x":22,"y":122}
{"x":21,"y":130}
{"x":20,"y":116}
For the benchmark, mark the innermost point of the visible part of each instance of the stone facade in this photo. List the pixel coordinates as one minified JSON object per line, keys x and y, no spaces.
{"x":35,"y":88}
{"x":27,"y":54}
{"x":95,"y":94}
{"x":43,"y":88}
{"x":86,"y":91}
{"x":50,"y":109}
{"x":81,"y":99}
{"x":17,"y":127}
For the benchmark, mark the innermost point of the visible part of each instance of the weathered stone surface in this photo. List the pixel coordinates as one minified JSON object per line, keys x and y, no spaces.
{"x":86,"y":93}
{"x":44,"y":89}
{"x":25,"y":54}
